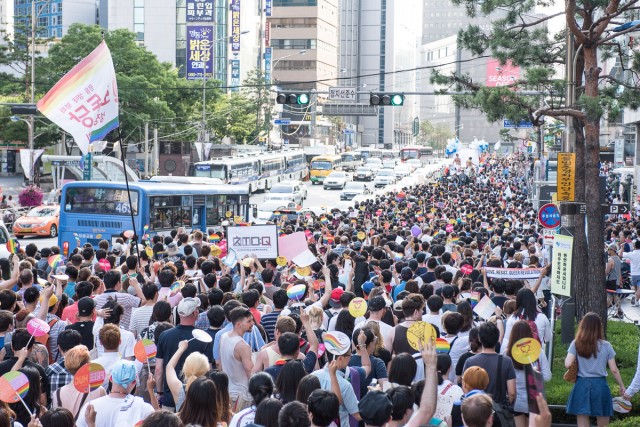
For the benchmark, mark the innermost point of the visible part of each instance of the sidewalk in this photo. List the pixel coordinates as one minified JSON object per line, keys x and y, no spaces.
{"x":631,"y":313}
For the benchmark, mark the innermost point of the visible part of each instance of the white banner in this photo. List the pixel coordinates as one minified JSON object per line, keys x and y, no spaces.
{"x":258,"y":241}
{"x":28,"y":159}
{"x":198,"y":146}
{"x":561,"y":265}
{"x":513,"y":273}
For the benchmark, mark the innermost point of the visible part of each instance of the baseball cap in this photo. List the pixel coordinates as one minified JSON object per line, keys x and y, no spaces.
{"x":377,"y":303}
{"x":187,"y":306}
{"x":613,"y":247}
{"x":375,"y":408}
{"x":104,"y":264}
{"x":86,"y":306}
{"x":123,"y":373}
{"x":335,"y":297}
{"x":367,"y":287}
{"x":117,"y":248}
{"x":52,"y":301}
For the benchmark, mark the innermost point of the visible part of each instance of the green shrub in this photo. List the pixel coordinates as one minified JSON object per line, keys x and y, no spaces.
{"x":626,"y":422}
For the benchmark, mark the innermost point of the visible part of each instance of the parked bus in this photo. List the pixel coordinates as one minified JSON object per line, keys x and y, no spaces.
{"x":351,"y":160}
{"x":321,"y":166}
{"x":421,"y":152}
{"x":369,"y":152}
{"x":98,"y":210}
{"x":259,"y":172}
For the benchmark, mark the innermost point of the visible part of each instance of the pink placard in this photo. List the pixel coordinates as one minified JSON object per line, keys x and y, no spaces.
{"x":38,"y":327}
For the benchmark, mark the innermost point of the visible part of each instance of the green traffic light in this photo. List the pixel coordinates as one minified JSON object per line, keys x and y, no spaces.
{"x":303,"y":99}
{"x":397,"y":100}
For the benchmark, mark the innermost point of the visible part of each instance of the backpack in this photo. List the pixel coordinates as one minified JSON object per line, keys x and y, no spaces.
{"x":533,"y":326}
{"x":44,"y":340}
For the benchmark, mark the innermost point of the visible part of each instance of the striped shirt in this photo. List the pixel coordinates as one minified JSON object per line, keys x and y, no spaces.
{"x":140,"y":319}
{"x":268,"y":322}
{"x":127,"y":301}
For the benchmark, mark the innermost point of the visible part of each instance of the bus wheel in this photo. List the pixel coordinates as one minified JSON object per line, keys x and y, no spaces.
{"x":54,"y":231}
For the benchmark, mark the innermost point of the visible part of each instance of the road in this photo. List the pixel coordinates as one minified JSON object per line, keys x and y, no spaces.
{"x":316,"y":197}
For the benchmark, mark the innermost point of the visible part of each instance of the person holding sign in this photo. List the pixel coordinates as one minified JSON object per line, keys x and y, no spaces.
{"x":120,"y":407}
{"x":520,"y":354}
{"x":22,"y":341}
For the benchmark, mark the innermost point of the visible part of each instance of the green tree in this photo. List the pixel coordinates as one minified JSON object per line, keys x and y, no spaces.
{"x":256,"y":89}
{"x":148,"y":90}
{"x":234,"y":116}
{"x":518,"y":36}
{"x":436,"y":135}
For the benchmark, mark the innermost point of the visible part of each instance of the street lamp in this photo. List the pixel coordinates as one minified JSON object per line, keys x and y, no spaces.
{"x":204,"y":89}
{"x":30,"y":128}
{"x":273,"y":66}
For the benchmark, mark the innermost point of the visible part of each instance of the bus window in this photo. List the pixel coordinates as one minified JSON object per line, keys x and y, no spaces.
{"x":106,"y":201}
{"x":322,"y":165}
{"x":170,"y":212}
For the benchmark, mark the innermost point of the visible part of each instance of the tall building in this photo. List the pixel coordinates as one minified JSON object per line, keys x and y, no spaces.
{"x":304,"y":43}
{"x":223,"y":35}
{"x":53,"y":18}
{"x":379,"y":53}
{"x":440,"y":25}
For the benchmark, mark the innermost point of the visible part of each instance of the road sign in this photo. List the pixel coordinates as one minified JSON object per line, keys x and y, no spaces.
{"x":549,"y":216}
{"x":282,"y":122}
{"x":343,"y":94}
{"x":416,"y":126}
{"x":618,"y":209}
{"x":522,"y":124}
{"x":548,"y":235}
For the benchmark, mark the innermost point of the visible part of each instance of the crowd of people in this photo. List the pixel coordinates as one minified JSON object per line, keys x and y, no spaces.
{"x":284,"y":346}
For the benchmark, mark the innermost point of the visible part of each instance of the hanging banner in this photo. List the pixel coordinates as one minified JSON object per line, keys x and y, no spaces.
{"x":199,"y":10}
{"x":566,"y":177}
{"x":28,"y":159}
{"x":267,"y":64}
{"x":235,"y":75}
{"x":259,"y":241}
{"x":267,"y":34}
{"x":561,"y":265}
{"x":199,"y":52}
{"x":84,"y":102}
{"x":235,"y":26}
{"x":513,"y":273}
{"x":267,"y":7}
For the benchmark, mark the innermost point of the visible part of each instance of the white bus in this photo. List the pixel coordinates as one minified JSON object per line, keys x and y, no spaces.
{"x":260,"y":172}
{"x":366,"y":152}
{"x":351,"y":160}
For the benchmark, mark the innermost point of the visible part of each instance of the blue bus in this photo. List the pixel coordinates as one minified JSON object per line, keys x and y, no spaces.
{"x":100,"y":210}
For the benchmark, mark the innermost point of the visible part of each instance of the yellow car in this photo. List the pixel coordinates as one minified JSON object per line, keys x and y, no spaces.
{"x":39,"y":221}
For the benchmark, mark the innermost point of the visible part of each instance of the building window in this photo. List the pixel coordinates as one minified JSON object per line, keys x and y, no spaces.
{"x":138,"y":19}
{"x":294,"y":43}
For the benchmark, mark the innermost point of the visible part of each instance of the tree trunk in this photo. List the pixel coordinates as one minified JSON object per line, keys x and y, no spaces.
{"x":597,"y":301}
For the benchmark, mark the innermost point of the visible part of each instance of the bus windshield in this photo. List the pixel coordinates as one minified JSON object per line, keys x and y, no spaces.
{"x":321,"y":165}
{"x":347,"y":157}
{"x":104,"y":201}
{"x":409,"y":154}
{"x":213,"y":171}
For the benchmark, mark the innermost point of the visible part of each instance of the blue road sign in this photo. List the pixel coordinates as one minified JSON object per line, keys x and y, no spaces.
{"x":282,"y":122}
{"x":508,"y":124}
{"x":549,"y":216}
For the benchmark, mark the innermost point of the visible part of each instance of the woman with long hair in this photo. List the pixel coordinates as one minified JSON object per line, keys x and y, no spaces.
{"x":378,"y":348}
{"x":527,"y":310}
{"x":195,"y":366}
{"x":161,"y":313}
{"x":221,"y":381}
{"x":520,"y":330}
{"x":198,"y":408}
{"x":590,"y":395}
{"x":448,"y":392}
{"x":288,"y":379}
{"x":308,"y":385}
{"x":402,"y":371}
{"x":260,"y":388}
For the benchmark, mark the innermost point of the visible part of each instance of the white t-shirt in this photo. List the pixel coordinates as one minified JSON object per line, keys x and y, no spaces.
{"x":107,"y":360}
{"x":112,"y":411}
{"x":634,"y":256}
{"x":434,"y":319}
{"x":385,"y":329}
{"x":448,"y":393}
{"x":127,"y":340}
{"x":244,"y":417}
{"x":458,"y":348}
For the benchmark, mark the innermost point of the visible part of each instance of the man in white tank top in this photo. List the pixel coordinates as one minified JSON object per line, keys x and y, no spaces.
{"x":235,"y":358}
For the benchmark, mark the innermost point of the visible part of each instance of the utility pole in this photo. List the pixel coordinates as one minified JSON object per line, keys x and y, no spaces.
{"x":156,"y":146}
{"x":314,"y":106}
{"x":33,"y":86}
{"x":146,"y":148}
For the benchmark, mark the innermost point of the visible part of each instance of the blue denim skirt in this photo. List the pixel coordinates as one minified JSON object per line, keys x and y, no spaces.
{"x":590,"y":396}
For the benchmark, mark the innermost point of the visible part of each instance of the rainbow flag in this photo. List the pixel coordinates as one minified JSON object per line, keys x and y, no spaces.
{"x":13,"y":246}
{"x":85,"y":101}
{"x":214,"y":238}
{"x":55,"y":260}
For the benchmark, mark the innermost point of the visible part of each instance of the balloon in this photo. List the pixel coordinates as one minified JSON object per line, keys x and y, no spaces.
{"x":415,"y":231}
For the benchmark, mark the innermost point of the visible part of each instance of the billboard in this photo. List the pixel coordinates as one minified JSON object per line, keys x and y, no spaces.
{"x":501,"y":75}
{"x":268,"y":59}
{"x":235,"y":75}
{"x":199,"y":10}
{"x":199,"y":52}
{"x":235,"y":26}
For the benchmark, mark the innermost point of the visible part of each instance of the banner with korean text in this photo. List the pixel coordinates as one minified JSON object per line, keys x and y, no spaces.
{"x":235,"y":26}
{"x":561,"y":265}
{"x":566,"y":177}
{"x":199,"y":10}
{"x":84,"y":102}
{"x":199,"y":52}
{"x":257,"y":241}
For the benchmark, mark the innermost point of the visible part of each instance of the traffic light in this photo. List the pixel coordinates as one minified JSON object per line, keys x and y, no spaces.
{"x":384,"y":99}
{"x":23,"y":109}
{"x":293,"y":98}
